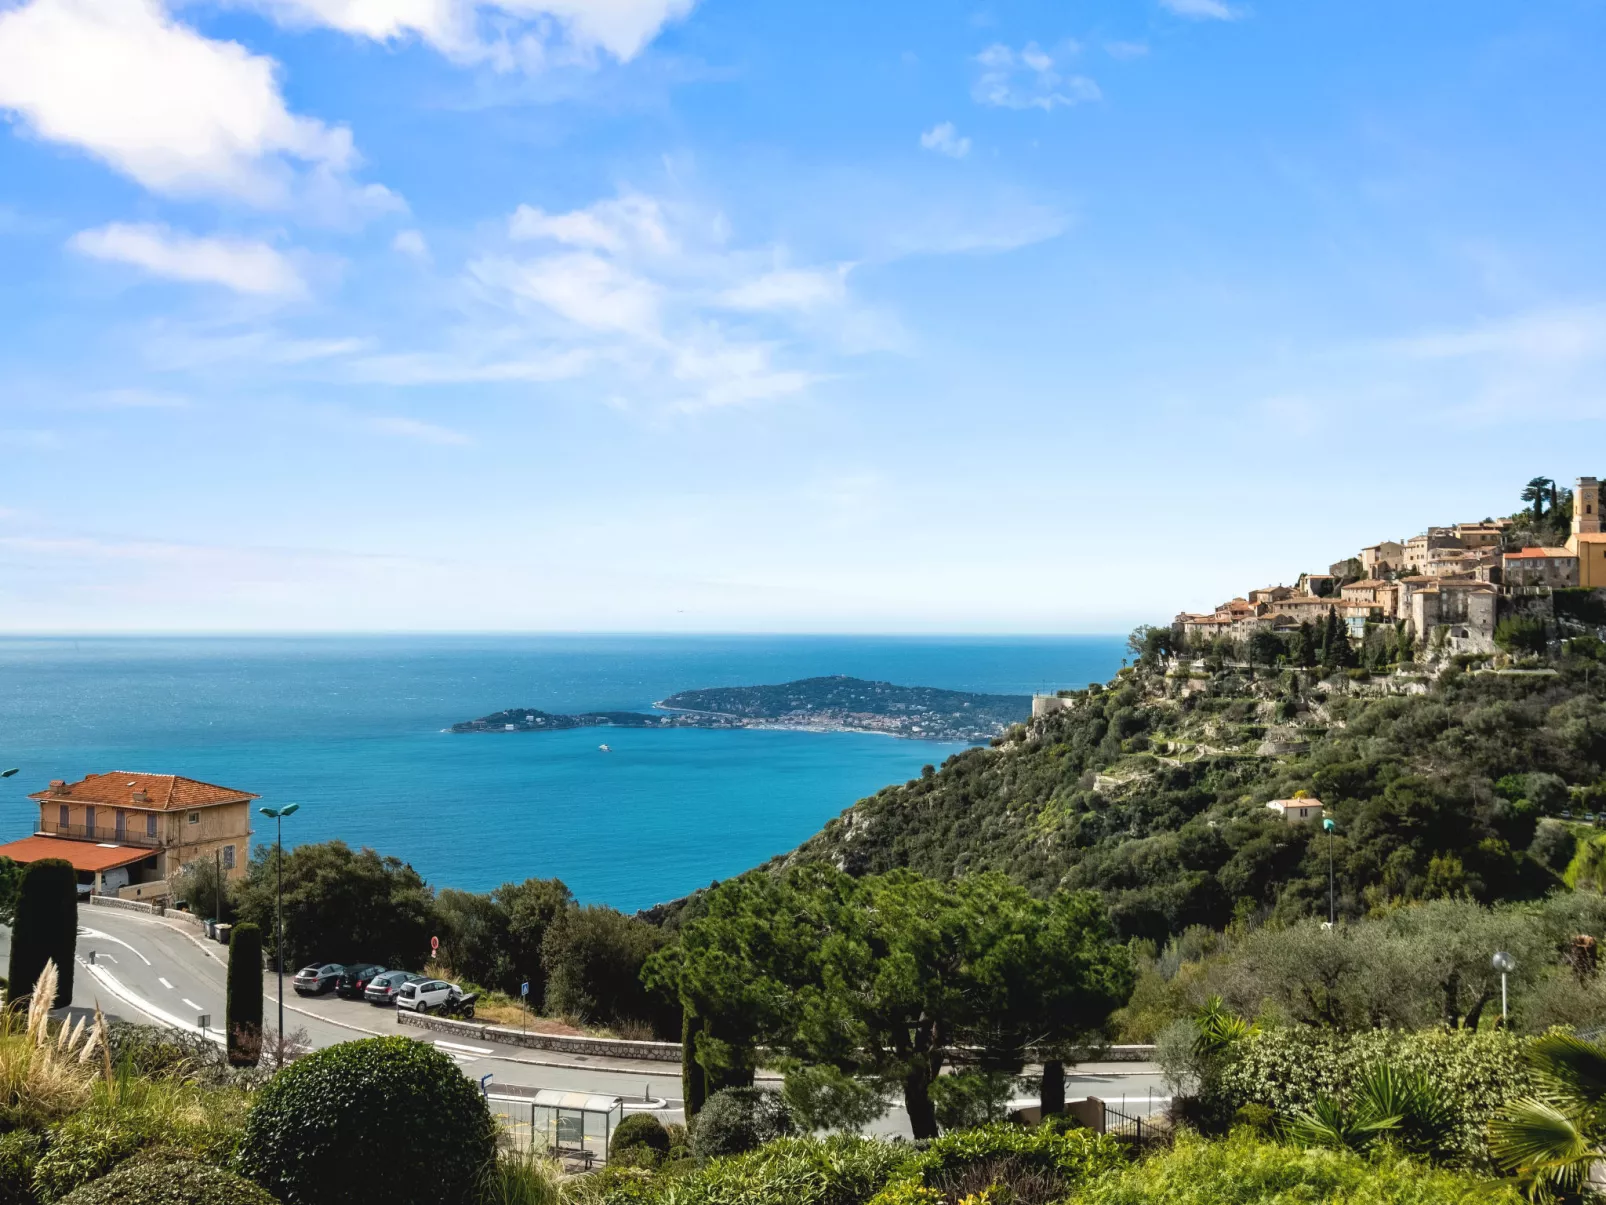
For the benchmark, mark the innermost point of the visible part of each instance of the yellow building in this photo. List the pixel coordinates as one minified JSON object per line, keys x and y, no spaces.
{"x":1588,"y":541}
{"x":129,"y":833}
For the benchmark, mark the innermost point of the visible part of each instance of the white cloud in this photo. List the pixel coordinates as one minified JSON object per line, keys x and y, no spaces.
{"x":1206,"y":10}
{"x":1552,"y":337}
{"x":504,"y":32}
{"x":1029,"y":78}
{"x":582,"y":287}
{"x":178,"y":112}
{"x":945,"y":140}
{"x":411,"y":244}
{"x":241,"y":265}
{"x":1126,"y":50}
{"x":789,"y":289}
{"x":661,"y":303}
{"x":631,"y":221}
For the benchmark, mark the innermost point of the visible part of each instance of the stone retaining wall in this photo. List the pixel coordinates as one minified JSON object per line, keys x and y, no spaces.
{"x":610,"y":1048}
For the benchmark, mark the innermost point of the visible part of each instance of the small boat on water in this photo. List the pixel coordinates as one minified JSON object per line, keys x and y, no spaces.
{"x":604,"y":749}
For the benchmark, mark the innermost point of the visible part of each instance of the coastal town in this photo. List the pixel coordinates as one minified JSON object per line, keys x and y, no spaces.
{"x":1446,"y":588}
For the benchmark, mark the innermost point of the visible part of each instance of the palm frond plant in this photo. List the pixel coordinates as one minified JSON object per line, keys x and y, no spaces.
{"x":1390,"y":1105}
{"x":1555,"y":1140}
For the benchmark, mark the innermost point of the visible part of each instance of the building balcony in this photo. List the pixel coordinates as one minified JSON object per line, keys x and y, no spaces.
{"x":107,"y":833}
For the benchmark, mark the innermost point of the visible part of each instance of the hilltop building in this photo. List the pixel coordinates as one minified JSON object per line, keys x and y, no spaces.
{"x":1588,"y":541}
{"x":126,"y":834}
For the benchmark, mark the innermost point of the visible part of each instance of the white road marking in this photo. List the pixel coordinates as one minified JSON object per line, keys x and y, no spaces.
{"x":118,"y":940}
{"x":191,"y":1003}
{"x":480,"y":1050}
{"x":164,"y":983}
{"x":116,"y":988}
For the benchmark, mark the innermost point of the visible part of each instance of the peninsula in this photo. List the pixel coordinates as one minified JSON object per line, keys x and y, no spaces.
{"x":829,"y":704}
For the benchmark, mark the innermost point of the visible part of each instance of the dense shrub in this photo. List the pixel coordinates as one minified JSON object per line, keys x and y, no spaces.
{"x":19,"y":1152}
{"x":1035,"y":1165}
{"x":641,"y":1129}
{"x":739,"y":1119}
{"x":327,"y":1125}
{"x":1284,"y":1070}
{"x":1243,"y":1168}
{"x":46,"y":928}
{"x":593,"y":958}
{"x":175,"y":1182}
{"x":840,"y":1170}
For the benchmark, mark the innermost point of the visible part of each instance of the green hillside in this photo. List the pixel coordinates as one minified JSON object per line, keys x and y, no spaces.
{"x":1153,"y":790}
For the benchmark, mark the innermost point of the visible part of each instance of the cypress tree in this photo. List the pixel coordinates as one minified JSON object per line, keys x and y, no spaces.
{"x":242,"y":1011}
{"x":693,"y":1080}
{"x":46,"y":928}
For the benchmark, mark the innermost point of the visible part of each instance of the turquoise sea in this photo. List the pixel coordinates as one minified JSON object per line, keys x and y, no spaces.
{"x":351,"y":728}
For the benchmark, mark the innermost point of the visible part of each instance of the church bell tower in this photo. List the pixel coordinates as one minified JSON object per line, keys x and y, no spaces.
{"x":1586,"y":507}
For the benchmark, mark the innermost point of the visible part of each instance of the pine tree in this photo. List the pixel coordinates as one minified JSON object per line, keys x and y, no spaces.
{"x":46,"y":928}
{"x":242,"y":1012}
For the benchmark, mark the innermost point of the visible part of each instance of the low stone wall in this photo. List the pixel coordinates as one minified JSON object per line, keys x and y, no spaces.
{"x":111,"y":901}
{"x":608,"y":1048}
{"x":619,"y":1048}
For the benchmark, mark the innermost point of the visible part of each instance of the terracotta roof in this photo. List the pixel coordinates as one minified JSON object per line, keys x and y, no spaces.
{"x":152,"y":792}
{"x":1529,"y":554}
{"x":84,"y":855}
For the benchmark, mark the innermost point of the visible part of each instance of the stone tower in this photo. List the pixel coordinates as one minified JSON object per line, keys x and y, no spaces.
{"x":1586,"y":507}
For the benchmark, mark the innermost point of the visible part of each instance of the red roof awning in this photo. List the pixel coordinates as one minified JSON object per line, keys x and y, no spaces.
{"x":84,"y":855}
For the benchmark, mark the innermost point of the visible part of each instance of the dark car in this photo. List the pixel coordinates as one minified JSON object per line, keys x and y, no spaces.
{"x":383,"y":989}
{"x":355,"y":979}
{"x":317,"y":979}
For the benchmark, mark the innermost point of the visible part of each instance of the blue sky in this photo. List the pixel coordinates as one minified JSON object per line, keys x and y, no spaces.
{"x":676,"y":315}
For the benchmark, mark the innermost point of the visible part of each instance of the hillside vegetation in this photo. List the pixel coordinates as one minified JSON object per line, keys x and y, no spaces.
{"x":1153,"y":790}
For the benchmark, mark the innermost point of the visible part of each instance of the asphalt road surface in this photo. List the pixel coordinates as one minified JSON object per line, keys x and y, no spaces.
{"x":142,"y":968}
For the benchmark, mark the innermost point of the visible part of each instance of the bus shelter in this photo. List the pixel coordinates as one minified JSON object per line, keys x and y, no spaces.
{"x":575,"y":1123}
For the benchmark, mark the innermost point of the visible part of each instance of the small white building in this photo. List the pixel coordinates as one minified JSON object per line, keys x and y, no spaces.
{"x":1295,"y":810}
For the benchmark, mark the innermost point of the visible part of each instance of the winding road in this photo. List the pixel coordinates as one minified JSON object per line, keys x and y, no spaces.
{"x":154,"y":970}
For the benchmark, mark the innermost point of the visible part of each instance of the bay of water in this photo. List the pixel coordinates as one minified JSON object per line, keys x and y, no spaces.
{"x":351,"y":728}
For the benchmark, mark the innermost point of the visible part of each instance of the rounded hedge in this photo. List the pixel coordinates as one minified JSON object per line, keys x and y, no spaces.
{"x":331,"y":1126}
{"x":641,"y":1129}
{"x":734,"y":1120}
{"x":174,"y":1182}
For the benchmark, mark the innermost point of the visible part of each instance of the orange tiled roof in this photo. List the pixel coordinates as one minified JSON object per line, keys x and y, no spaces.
{"x":153,"y":792}
{"x":1529,"y":554}
{"x":84,"y":855}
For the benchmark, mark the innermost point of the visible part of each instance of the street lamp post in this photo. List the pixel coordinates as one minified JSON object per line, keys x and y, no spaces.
{"x":1332,"y":908}
{"x":277,"y":815}
{"x":1505,"y":964}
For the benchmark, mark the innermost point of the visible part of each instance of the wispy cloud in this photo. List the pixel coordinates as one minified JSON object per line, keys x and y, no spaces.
{"x":945,"y":140}
{"x":1126,"y":50}
{"x":411,"y":243}
{"x":1556,"y":336}
{"x":244,"y":266}
{"x":1029,"y":78}
{"x":1204,"y":10}
{"x":505,"y":33}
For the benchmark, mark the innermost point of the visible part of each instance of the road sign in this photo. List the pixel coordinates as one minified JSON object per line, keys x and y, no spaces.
{"x":434,"y":945}
{"x":524,"y":988}
{"x":204,"y":1021}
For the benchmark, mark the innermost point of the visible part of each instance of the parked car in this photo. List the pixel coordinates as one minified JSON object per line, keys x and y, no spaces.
{"x":426,"y":995}
{"x":318,"y":978}
{"x":383,"y":989}
{"x":354,"y":980}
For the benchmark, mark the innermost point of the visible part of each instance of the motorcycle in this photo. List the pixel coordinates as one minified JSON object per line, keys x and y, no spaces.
{"x":459,"y":1004}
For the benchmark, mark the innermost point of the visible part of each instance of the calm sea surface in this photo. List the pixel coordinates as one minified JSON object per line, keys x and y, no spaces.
{"x":351,"y":729}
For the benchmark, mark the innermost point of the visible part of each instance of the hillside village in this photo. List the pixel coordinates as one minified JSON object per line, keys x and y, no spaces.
{"x":1445,"y":590}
